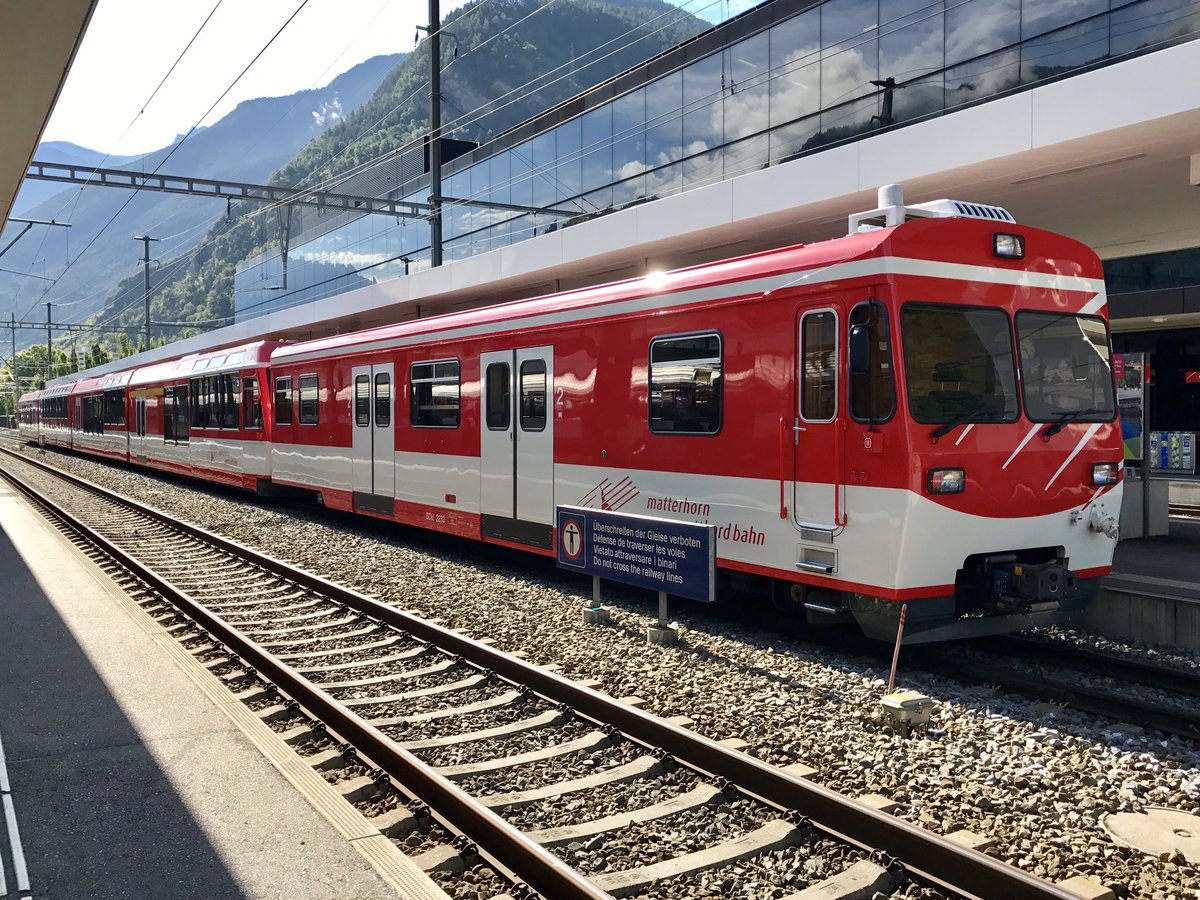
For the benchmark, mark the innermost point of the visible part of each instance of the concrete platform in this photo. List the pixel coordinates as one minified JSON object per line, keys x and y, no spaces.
{"x":1153,"y":594}
{"x":121,"y":777}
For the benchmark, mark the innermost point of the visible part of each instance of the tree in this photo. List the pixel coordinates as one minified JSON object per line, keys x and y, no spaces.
{"x":96,"y":356}
{"x":30,"y":374}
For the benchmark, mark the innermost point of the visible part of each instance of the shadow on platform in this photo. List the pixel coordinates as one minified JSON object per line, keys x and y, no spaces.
{"x":98,"y":816}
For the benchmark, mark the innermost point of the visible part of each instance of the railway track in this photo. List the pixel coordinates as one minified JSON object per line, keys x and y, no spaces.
{"x":1184,"y":510}
{"x":1137,"y":692}
{"x":563,"y":791}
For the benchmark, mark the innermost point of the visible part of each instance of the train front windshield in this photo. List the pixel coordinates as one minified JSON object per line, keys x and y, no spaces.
{"x":960,"y":365}
{"x":1065,"y":367}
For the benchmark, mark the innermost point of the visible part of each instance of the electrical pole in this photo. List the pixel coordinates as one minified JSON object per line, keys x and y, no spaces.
{"x":49,"y":367}
{"x":12,"y":325}
{"x":146,"y":239}
{"x":435,"y":134}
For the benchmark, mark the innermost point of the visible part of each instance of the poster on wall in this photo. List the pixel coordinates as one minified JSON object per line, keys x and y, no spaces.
{"x":1129,"y":369}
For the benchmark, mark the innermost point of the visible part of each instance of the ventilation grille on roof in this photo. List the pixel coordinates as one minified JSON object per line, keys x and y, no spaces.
{"x":962,"y":208}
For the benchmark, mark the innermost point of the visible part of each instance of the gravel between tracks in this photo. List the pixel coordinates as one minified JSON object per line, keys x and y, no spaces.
{"x":1036,"y":778}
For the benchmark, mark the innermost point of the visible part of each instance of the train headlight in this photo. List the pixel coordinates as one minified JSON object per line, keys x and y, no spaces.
{"x":1106,"y":473}
{"x":1009,"y":246}
{"x":945,"y":481}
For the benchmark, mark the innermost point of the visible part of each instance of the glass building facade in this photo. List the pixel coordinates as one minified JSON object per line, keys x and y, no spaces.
{"x":783,"y":80}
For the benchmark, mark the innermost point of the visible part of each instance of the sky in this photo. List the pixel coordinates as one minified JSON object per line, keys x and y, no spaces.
{"x":130,"y":45}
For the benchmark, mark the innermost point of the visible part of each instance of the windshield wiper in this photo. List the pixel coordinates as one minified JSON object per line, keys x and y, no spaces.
{"x":1066,"y":418}
{"x":948,"y":427}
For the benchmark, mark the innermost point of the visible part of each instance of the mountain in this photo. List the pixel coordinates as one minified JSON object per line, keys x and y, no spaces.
{"x":245,"y":146}
{"x":503,"y":62}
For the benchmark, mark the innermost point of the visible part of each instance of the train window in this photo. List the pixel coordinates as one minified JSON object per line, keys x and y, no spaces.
{"x":175,"y":413}
{"x":498,"y":389}
{"x":819,"y":366}
{"x":114,"y":407}
{"x":362,"y":401}
{"x":873,"y":393}
{"x":231,"y":396}
{"x":434,"y":394}
{"x":252,"y":404}
{"x":199,"y":403}
{"x":958,"y":363}
{"x":91,"y":417}
{"x":283,"y":401}
{"x":309,"y":396}
{"x":533,"y":395}
{"x":685,"y":384}
{"x":1066,"y":368}
{"x":383,"y":400}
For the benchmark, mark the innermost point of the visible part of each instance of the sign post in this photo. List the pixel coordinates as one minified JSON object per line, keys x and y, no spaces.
{"x":663,"y":555}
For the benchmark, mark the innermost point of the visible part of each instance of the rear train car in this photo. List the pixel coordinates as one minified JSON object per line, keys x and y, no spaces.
{"x":204,"y":415}
{"x":98,"y":420}
{"x":28,"y":415}
{"x":55,"y":416}
{"x":919,"y":413}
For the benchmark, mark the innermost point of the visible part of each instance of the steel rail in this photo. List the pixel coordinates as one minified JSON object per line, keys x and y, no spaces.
{"x":923,"y":853}
{"x":1098,"y":701}
{"x":496,"y":839}
{"x":1155,"y":675}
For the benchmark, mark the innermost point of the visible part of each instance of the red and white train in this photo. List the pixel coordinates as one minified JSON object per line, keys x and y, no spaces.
{"x":921,"y":412}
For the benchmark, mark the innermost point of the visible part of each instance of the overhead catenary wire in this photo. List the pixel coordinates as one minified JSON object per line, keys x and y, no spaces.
{"x":179,"y":143}
{"x":146,"y":103}
{"x":470,"y":11}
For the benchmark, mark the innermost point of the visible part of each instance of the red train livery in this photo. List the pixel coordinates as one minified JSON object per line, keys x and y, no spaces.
{"x":922,"y":412}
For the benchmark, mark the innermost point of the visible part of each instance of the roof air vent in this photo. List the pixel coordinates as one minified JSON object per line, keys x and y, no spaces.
{"x":892,"y":211}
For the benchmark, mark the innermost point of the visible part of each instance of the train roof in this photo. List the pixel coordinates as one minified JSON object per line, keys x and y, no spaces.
{"x":228,"y":359}
{"x":683,"y":284}
{"x":107,"y":382}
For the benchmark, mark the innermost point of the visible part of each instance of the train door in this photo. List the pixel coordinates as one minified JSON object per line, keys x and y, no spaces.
{"x":818,"y":419}
{"x":374,"y":443}
{"x":137,"y":442}
{"x":516,"y":445}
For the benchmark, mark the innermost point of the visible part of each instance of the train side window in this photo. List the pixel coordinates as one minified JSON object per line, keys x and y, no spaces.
{"x":231,"y":399}
{"x":175,"y":414}
{"x":819,"y":365}
{"x":362,"y":401}
{"x":283,"y":400}
{"x":685,"y":384}
{"x":114,"y":407}
{"x":498,"y":392}
{"x":873,"y":393}
{"x":533,"y":395}
{"x":197,"y":403}
{"x":252,"y":404}
{"x":383,"y":400}
{"x":434,"y":394}
{"x":309,"y":397}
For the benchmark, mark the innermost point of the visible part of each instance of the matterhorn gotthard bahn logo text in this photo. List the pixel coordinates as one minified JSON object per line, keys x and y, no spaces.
{"x":615,"y":496}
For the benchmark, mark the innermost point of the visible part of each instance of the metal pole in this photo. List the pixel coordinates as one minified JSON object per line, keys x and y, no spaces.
{"x":662,"y":609}
{"x":435,"y":134}
{"x":1146,"y":445}
{"x":146,"y":239}
{"x":896,"y":652}
{"x":49,"y":368}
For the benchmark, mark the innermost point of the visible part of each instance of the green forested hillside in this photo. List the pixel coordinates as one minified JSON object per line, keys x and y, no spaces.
{"x":514,"y":59}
